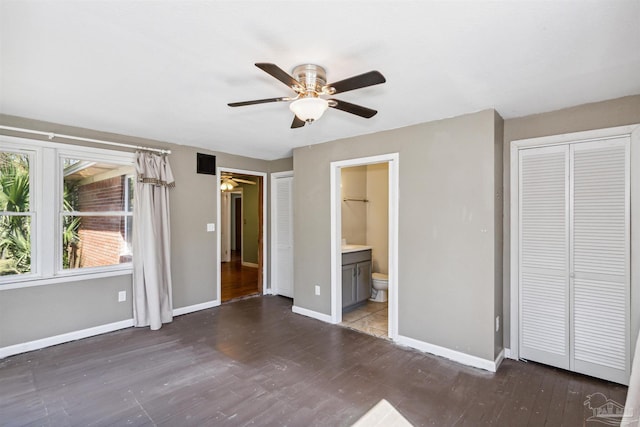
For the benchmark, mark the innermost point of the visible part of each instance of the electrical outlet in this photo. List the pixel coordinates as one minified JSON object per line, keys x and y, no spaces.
{"x":211,"y":227}
{"x":122,"y":296}
{"x":317,"y":289}
{"x":497,"y":323}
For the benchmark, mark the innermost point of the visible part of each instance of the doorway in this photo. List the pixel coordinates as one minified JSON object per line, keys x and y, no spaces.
{"x":241,"y":240}
{"x":338,"y":275}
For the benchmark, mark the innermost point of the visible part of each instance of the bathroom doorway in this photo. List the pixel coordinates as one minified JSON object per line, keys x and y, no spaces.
{"x":241,"y":242}
{"x":364,"y":212}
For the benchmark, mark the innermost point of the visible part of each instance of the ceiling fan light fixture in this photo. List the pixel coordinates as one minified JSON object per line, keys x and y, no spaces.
{"x":227,"y":185}
{"x":309,"y":109}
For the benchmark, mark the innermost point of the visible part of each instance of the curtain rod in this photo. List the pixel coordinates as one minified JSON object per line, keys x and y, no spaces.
{"x":52,"y":135}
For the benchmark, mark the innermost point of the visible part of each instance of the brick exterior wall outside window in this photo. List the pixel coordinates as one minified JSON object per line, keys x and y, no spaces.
{"x":102,"y":237}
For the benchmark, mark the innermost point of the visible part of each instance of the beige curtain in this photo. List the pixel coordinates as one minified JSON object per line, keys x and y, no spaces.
{"x":152,"y":304}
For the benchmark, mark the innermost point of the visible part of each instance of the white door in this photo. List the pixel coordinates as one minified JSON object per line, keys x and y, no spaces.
{"x":574,"y":257}
{"x":282,"y":234}
{"x":600,"y":276}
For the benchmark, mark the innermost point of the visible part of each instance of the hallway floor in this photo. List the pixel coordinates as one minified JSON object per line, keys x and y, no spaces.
{"x":371,"y":318}
{"x":237,"y":280}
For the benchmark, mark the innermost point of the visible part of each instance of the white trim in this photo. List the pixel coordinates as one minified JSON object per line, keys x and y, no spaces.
{"x":515,"y":147}
{"x":313,"y":314}
{"x":499,"y":359}
{"x":456,"y":356}
{"x":265,"y":269}
{"x":393,"y":160}
{"x":34,"y":281}
{"x":274,"y":245}
{"x":250,"y":264}
{"x":507,"y":354}
{"x":196,"y":307}
{"x":63,"y":338}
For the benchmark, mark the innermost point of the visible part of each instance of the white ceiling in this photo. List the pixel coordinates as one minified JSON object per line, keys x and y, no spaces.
{"x":166,"y":69}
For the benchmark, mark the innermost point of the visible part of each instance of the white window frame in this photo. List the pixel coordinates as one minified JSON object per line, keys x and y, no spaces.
{"x":33,"y":156}
{"x":46,"y":189}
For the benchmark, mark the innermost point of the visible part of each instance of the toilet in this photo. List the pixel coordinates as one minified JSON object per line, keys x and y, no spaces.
{"x":380,"y":286}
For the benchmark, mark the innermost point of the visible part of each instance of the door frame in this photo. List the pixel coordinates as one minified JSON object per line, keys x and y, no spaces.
{"x":592,"y":135}
{"x":263,"y":202}
{"x":393,"y":161}
{"x":274,"y":252}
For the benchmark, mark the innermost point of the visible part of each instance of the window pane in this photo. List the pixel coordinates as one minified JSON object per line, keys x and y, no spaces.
{"x":95,"y":241}
{"x":15,"y":244}
{"x":96,"y":186}
{"x":14,"y":182}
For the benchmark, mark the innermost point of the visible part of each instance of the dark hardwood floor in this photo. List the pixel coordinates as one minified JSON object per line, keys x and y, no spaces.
{"x":238,"y":281}
{"x":254,"y":362}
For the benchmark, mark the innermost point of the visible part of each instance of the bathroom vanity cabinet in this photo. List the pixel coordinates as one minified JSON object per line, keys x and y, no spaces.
{"x":356,"y":277}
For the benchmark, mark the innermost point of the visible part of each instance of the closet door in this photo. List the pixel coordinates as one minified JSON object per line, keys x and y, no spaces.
{"x":544,"y":255}
{"x":282,"y":229}
{"x":600,"y":258}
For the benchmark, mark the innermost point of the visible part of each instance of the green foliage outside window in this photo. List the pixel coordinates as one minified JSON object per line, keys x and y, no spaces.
{"x":15,"y":228}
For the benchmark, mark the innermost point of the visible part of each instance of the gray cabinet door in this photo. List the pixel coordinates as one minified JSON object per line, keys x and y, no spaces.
{"x":363,"y":283}
{"x":348,"y":285}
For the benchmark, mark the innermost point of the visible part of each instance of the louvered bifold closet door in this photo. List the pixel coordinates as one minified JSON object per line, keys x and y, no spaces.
{"x":284,"y":236}
{"x":544,"y":255}
{"x":600,"y":258}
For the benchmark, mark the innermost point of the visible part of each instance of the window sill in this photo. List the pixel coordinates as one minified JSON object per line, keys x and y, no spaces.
{"x":30,"y":282}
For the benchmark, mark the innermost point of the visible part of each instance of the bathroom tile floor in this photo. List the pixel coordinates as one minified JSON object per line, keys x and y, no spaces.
{"x":370,"y":318}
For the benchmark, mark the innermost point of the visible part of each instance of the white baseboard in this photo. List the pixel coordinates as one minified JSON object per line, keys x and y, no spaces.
{"x":196,"y":307}
{"x":311,"y":313}
{"x":499,"y":359}
{"x":89,"y":332}
{"x":249,"y":264}
{"x":507,"y":353}
{"x":456,"y":356}
{"x":62,"y":338}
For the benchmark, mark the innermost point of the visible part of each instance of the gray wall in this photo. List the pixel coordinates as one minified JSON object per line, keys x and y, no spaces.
{"x":32,"y":313}
{"x":250,"y":221}
{"x":616,"y":112}
{"x":447,"y":223}
{"x":378,"y":216}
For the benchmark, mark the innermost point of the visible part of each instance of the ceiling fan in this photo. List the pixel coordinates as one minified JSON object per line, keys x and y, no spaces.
{"x":309,"y":82}
{"x":229,"y":182}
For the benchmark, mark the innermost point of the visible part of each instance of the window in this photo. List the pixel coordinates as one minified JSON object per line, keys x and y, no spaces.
{"x":64,"y":210}
{"x":96,"y":214}
{"x":16,"y":216}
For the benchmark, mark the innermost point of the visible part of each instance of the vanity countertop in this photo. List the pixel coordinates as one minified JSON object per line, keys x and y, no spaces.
{"x":354,"y":248}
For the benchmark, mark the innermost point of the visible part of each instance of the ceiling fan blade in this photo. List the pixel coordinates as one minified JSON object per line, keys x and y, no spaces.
{"x":280,"y":74}
{"x":257,"y":101}
{"x":297,"y":123}
{"x":356,"y":82}
{"x":358,"y":110}
{"x":243,"y":181}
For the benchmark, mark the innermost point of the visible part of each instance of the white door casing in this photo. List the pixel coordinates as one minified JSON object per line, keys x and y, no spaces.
{"x":393,"y":160}
{"x":219,"y":171}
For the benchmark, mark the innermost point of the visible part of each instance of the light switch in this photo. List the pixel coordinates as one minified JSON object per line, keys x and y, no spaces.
{"x":211,"y":227}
